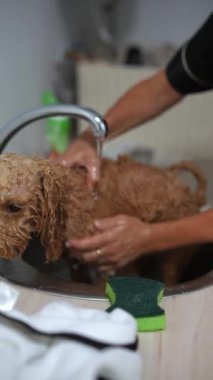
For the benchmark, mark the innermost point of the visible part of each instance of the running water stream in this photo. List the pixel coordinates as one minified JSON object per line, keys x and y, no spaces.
{"x":99,"y":146}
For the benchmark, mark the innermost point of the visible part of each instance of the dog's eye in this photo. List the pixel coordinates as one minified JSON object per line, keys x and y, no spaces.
{"x":13,"y":208}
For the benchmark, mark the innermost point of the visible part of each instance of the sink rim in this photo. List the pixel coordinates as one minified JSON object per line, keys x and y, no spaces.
{"x":20,"y":273}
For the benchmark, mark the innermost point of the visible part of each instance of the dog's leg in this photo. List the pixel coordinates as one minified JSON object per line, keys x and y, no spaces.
{"x":174,"y":263}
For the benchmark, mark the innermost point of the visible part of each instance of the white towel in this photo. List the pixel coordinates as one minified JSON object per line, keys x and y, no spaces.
{"x":63,"y":341}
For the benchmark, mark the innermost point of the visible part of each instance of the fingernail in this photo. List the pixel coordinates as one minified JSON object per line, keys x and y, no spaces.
{"x":64,"y":162}
{"x":67,"y":244}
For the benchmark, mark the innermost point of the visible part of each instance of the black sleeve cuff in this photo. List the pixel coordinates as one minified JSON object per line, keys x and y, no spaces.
{"x":179,"y":78}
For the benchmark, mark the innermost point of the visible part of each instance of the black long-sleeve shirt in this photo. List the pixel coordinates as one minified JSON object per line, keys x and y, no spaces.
{"x":191,"y":69}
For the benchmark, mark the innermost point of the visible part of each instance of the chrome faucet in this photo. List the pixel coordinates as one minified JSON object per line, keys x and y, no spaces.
{"x":98,"y":125}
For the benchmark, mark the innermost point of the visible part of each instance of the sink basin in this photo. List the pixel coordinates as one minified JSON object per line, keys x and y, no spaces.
{"x":32,"y":272}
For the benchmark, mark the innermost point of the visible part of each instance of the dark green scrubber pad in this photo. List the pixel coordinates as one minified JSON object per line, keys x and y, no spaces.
{"x":140,"y":298}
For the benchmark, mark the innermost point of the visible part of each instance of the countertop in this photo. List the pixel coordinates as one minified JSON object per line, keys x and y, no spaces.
{"x":184,"y":351}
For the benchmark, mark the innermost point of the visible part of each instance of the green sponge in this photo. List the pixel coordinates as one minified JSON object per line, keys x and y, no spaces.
{"x":139,"y":297}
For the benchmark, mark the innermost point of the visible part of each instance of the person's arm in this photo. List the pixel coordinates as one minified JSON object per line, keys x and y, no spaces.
{"x":195,"y":229}
{"x":142,"y":102}
{"x":190,"y":70}
{"x":122,"y":239}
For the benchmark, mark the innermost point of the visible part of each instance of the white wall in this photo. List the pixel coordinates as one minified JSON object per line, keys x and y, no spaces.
{"x":32,"y":34}
{"x":141,"y":22}
{"x":153,"y":22}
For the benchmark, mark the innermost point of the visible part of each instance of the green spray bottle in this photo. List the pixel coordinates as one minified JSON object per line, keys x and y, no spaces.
{"x":58,"y":128}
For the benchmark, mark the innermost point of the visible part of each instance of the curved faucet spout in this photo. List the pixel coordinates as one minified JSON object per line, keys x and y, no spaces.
{"x":98,"y":125}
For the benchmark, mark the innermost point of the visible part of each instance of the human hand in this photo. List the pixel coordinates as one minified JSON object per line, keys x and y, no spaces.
{"x":81,"y":153}
{"x":120,"y":240}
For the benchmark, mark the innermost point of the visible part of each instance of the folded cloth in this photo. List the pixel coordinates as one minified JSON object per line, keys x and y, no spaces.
{"x":63,"y":341}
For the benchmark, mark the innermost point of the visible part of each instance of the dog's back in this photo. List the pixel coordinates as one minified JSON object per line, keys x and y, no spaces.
{"x":152,"y":195}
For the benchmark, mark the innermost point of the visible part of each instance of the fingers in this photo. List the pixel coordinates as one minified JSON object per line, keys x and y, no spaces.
{"x":87,"y":248}
{"x":69,"y":160}
{"x":98,"y":256}
{"x":90,"y":243}
{"x":83,"y":154}
{"x":62,"y":159}
{"x":95,"y":257}
{"x":109,"y":223}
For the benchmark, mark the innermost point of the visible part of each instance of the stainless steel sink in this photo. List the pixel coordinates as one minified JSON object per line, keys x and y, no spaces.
{"x":53,"y":278}
{"x":33,"y":275}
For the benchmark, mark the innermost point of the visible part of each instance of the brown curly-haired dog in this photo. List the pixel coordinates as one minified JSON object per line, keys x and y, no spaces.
{"x":40,"y":197}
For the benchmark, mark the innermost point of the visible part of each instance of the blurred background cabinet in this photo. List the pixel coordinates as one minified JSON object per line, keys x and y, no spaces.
{"x":89,"y":52}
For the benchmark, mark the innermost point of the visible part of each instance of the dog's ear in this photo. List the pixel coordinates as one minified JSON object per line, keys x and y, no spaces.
{"x":52,"y":213}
